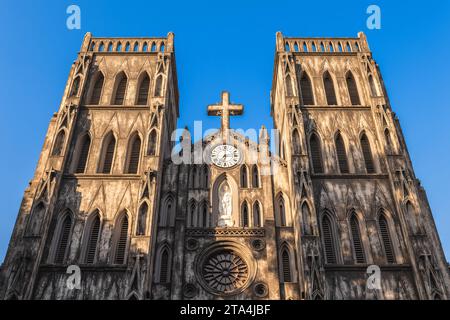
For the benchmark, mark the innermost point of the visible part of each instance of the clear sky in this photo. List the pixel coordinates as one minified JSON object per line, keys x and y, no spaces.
{"x":224,"y":45}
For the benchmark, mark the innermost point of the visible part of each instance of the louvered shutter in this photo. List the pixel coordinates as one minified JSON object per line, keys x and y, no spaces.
{"x":63,"y":240}
{"x":143,"y":91}
{"x":97,"y":90}
{"x":134,"y":156}
{"x":109,"y":156}
{"x":120,"y":91}
{"x":385,"y":236}
{"x":341,"y":154}
{"x":328,"y":240}
{"x":93,"y":239}
{"x":367,"y":154}
{"x":287,"y":277}
{"x":306,"y":87}
{"x":84,"y":152}
{"x":353,"y":90}
{"x":164,"y":267}
{"x":122,"y":241}
{"x":357,"y":242}
{"x":316,"y":154}
{"x":329,"y":90}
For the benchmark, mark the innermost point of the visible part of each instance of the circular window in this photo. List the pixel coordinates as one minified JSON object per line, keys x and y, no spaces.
{"x":261,"y":290}
{"x":192,"y":244}
{"x":190,"y":290}
{"x":258,"y":244}
{"x":225,"y":269}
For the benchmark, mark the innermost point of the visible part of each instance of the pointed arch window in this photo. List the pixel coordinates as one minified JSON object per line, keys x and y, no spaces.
{"x":386,"y":239}
{"x":352,"y":89}
{"x":143,"y":90}
{"x":158,"y":86}
{"x":257,"y":215}
{"x":329,"y":89}
{"x":307,"y":90}
{"x":204,"y":215}
{"x":192,"y":219}
{"x":255,"y":176}
{"x":97,"y":90}
{"x":373,"y":88}
{"x":75,"y":87}
{"x":63,"y":239}
{"x":134,"y":153}
{"x":328,"y":240}
{"x":164,"y":266}
{"x":59,"y":143}
{"x":289,"y":87}
{"x":245,"y":218}
{"x":244,"y":176}
{"x":205,"y":177}
{"x":307,"y":223}
{"x":92,"y":239}
{"x":341,"y":154}
{"x":316,"y":153}
{"x":367,"y":154}
{"x":35,"y":223}
{"x":286,"y":265}
{"x":167,"y":212}
{"x":296,"y":142}
{"x":282,"y":211}
{"x":358,"y":247}
{"x":152,"y":137}
{"x":107,"y":155}
{"x":84,"y":154}
{"x":387,"y":137}
{"x":121,"y":88}
{"x":122,"y":239}
{"x":142,"y":219}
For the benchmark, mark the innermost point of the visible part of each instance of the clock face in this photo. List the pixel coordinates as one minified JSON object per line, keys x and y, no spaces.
{"x":225,"y":156}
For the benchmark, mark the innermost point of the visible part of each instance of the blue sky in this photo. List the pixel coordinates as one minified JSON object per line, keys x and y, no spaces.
{"x":225,"y":45}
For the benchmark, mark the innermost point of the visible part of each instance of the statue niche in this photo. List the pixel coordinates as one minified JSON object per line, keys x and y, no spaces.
{"x":225,"y":202}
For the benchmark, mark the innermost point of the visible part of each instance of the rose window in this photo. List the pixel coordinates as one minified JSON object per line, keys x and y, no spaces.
{"x":224,"y":271}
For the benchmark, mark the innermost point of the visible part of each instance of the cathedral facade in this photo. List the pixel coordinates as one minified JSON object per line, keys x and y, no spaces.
{"x":328,"y":208}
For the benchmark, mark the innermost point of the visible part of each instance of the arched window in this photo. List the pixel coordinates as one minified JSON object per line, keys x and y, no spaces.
{"x":255,"y":176}
{"x":158,"y":86}
{"x":36,"y":219}
{"x":151,"y":151}
{"x":244,"y":176}
{"x":164,"y":266}
{"x":367,"y":154}
{"x":373,"y":88}
{"x":296,"y":142}
{"x":143,"y":90}
{"x":162,"y":47}
{"x":281,"y":211}
{"x":122,"y":239}
{"x":107,"y":155}
{"x":204,"y":215}
{"x":330,"y":45}
{"x":83,"y":155}
{"x":341,"y":154}
{"x":286,"y":265}
{"x":75,"y":87}
{"x":136,"y":47}
{"x":205,"y":177}
{"x":352,"y":89}
{"x":305,"y":47}
{"x":245,"y":219}
{"x":257,"y":215}
{"x":316,"y":153}
{"x":329,"y":89}
{"x":306,"y":88}
{"x":97,"y":90}
{"x":127,"y":47}
{"x":92,"y":238}
{"x":358,"y":247}
{"x":386,"y":239}
{"x":145,"y":47}
{"x":142,"y":219}
{"x":134,"y":153}
{"x":328,"y":240}
{"x":119,"y":47}
{"x":192,"y":219}
{"x":110,"y":47}
{"x":348,"y":47}
{"x":412,"y":217}
{"x":62,"y":244}
{"x":387,"y":137}
{"x":121,"y":87}
{"x":153,"y":48}
{"x":59,"y":143}
{"x":307,"y":223}
{"x":167,"y":212}
{"x":289,"y":87}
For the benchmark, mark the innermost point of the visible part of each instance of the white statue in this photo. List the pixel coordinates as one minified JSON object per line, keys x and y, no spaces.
{"x":225,"y":206}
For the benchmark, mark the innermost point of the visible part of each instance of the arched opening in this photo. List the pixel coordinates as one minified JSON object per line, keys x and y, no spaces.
{"x":107,"y":154}
{"x":328,"y":238}
{"x":358,"y":248}
{"x":121,"y":239}
{"x":296,"y":142}
{"x":244,"y":176}
{"x":120,"y":89}
{"x":83,"y":154}
{"x":286,"y":265}
{"x":367,"y":154}
{"x":158,"y":86}
{"x":63,"y":239}
{"x":134,"y":154}
{"x":59,"y":143}
{"x":316,"y":153}
{"x":93,"y":234}
{"x":341,"y":154}
{"x":152,"y":137}
{"x":386,"y":239}
{"x":36,"y":219}
{"x":257,"y":219}
{"x":307,"y":90}
{"x":97,"y":89}
{"x":255,"y":176}
{"x":142,"y":219}
{"x":75,"y":87}
{"x":352,"y":89}
{"x":330,"y":93}
{"x":307,"y":219}
{"x":373,"y":88}
{"x":244,"y":215}
{"x":144,"y":89}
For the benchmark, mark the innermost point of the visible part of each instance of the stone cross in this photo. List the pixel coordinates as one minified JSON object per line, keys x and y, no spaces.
{"x":225,"y":110}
